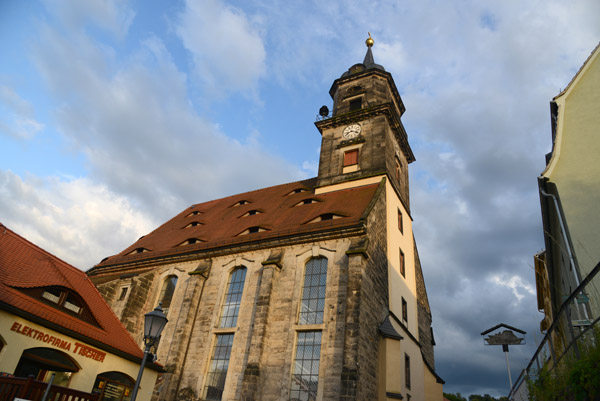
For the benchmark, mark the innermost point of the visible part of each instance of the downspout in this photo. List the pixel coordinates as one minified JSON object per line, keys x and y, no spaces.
{"x":566,"y":241}
{"x":563,"y":234}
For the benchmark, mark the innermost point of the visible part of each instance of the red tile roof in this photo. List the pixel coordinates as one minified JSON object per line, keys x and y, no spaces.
{"x":25,"y":266}
{"x":223,"y":222}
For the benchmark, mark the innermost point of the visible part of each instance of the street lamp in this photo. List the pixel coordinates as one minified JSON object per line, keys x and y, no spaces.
{"x":154,"y":323}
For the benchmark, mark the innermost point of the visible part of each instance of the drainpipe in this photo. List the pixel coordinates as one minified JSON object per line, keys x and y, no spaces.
{"x":566,"y":241}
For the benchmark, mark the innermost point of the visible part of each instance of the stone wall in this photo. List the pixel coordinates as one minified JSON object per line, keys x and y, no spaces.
{"x":424,"y":315}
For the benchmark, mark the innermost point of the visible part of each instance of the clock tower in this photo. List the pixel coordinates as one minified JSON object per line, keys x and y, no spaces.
{"x":364,"y":136}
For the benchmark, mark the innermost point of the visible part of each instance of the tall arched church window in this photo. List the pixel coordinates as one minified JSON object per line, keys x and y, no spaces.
{"x":166,"y":292}
{"x":313,"y":292}
{"x":233,"y":298}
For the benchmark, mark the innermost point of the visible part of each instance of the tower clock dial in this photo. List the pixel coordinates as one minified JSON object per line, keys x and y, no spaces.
{"x":351,"y":131}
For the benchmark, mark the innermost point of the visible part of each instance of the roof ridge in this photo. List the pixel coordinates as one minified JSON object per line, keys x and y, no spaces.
{"x":577,"y":73}
{"x":256,"y":190}
{"x":25,"y":240}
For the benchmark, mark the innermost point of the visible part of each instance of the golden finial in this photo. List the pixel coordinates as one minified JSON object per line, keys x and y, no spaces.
{"x":369,"y":41}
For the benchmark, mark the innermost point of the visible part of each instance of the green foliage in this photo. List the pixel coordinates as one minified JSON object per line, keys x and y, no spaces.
{"x":573,"y":379}
{"x":473,"y":397}
{"x":455,"y":397}
{"x":486,"y":397}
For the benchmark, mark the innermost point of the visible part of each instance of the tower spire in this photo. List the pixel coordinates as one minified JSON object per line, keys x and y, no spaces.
{"x":369,"y":62}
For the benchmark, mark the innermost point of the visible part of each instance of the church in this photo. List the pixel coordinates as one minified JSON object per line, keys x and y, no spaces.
{"x":311,"y":290}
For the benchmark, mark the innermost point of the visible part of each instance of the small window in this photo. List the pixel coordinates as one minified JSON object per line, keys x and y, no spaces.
{"x":398,"y":170}
{"x":404,"y":310}
{"x":351,"y":157}
{"x":298,"y":190}
{"x":251,"y":213}
{"x":123,"y":293}
{"x":193,"y":224}
{"x":356,"y":104}
{"x":242,"y":202}
{"x":252,"y":230}
{"x":306,"y":202}
{"x":402,"y":264}
{"x":52,"y":295}
{"x":191,"y":241}
{"x":194,"y":213}
{"x":62,"y":298}
{"x":166,"y":292}
{"x":138,"y":250}
{"x":72,"y":304}
{"x":400,"y":225}
{"x":326,"y":216}
{"x":407,"y":370}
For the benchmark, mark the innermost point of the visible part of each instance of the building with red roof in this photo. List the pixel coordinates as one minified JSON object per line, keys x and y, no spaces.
{"x":54,"y":320}
{"x":310,"y":290}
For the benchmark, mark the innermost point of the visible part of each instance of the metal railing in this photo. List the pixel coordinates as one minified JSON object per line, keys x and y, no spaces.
{"x":33,"y":390}
{"x":572,"y":329}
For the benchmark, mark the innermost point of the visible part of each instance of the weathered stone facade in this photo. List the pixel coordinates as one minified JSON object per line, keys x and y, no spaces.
{"x":348,"y":216}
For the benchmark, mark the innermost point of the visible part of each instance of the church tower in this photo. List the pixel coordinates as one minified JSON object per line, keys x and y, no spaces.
{"x":364,"y":137}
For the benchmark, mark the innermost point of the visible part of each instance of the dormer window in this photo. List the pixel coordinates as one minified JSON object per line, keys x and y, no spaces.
{"x":306,"y":202}
{"x":194,"y":213}
{"x":240,"y":203}
{"x":193,"y":224}
{"x":298,"y":190}
{"x":252,"y":230}
{"x":191,"y":241}
{"x":325,"y":217}
{"x":138,"y":250}
{"x":62,"y":298}
{"x":251,"y":213}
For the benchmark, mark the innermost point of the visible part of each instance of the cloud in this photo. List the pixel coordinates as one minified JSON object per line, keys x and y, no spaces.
{"x":79,"y":221}
{"x":515,"y":283}
{"x":114,"y":16}
{"x":227,"y":50}
{"x":141,"y":136}
{"x":17,"y":116}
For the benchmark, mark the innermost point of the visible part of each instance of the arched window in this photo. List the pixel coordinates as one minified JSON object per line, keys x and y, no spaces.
{"x":41,"y":363}
{"x":166,"y":292}
{"x":233,"y":298}
{"x":305,"y":369}
{"x":313,"y":292}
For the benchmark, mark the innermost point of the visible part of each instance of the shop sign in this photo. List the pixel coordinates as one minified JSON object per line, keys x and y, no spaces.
{"x":77,"y":348}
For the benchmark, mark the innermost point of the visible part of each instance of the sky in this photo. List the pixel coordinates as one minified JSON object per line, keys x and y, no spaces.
{"x":117,"y":115}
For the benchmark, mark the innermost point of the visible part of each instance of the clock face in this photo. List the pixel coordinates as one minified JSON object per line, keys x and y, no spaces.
{"x":351,"y":131}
